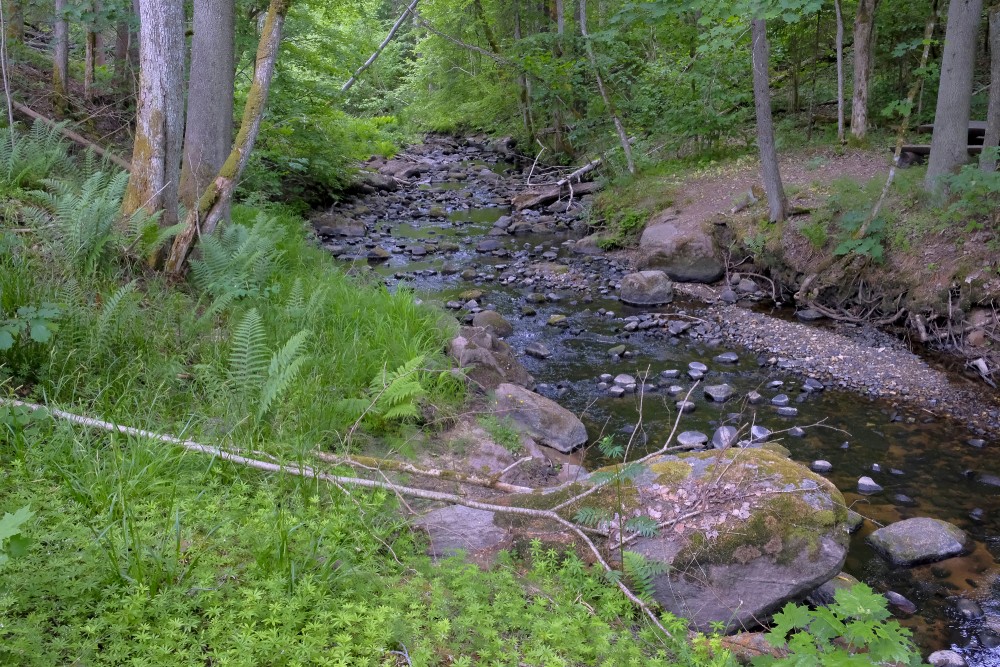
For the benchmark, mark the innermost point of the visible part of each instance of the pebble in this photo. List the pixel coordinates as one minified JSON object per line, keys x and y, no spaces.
{"x":820,"y":465}
{"x":617,"y":392}
{"x":727,"y":358}
{"x":780,"y":400}
{"x":968,"y":610}
{"x":692,"y":439}
{"x":624,"y":380}
{"x":796,"y":432}
{"x":946,"y":658}
{"x":670,"y":374}
{"x":759,"y":433}
{"x":868,"y":485}
{"x":537,"y":350}
{"x":695,"y":375}
{"x":725,"y":436}
{"x":854,"y":521}
{"x":904,"y":500}
{"x":606,"y":377}
{"x":685,"y":407}
{"x":754,"y":398}
{"x":698,"y":366}
{"x":719,"y":393}
{"x":901,"y":603}
{"x":788,"y":412}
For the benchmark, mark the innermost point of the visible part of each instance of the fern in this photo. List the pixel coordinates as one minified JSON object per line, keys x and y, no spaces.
{"x":238,"y":259}
{"x":643,"y":572}
{"x":116,"y":308}
{"x":248,"y":359}
{"x":282,"y":371}
{"x":397,"y":392}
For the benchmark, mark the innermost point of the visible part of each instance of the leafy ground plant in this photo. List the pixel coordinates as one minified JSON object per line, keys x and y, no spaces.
{"x":854,"y":630}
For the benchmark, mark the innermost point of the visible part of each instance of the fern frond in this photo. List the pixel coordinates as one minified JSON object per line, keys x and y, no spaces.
{"x":248,"y":355}
{"x":113,"y":311}
{"x":282,"y":371}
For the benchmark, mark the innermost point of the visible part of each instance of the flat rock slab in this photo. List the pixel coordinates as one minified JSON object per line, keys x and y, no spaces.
{"x":543,"y":419}
{"x":920,"y":540}
{"x":455,"y":528}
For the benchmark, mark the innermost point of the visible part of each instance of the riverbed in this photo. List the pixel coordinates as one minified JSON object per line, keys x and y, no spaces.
{"x":447,"y":232}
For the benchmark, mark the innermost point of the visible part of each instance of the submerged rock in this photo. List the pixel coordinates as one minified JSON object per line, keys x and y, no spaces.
{"x":543,"y":419}
{"x":920,"y":540}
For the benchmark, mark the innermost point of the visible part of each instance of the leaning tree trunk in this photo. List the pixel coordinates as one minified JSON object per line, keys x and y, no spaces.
{"x":60,"y":57}
{"x":864,"y":46}
{"x":156,"y":155}
{"x":208,"y":136}
{"x":988,"y":158}
{"x":608,"y":102}
{"x":522,"y":78}
{"x":950,"y":141}
{"x":776,"y":202}
{"x":215,"y":200}
{"x":840,"y":71}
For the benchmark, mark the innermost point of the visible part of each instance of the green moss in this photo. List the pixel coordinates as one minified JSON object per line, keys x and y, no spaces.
{"x":669,"y":473}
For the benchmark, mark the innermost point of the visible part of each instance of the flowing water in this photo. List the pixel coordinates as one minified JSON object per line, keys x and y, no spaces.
{"x":925,"y":465}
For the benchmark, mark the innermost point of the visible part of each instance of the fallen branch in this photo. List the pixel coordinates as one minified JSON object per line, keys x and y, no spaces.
{"x":73,"y":136}
{"x":372,"y":463}
{"x":381,"y":47}
{"x":339,"y":480}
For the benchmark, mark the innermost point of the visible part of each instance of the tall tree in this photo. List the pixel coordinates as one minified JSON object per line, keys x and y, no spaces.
{"x":159,"y":131}
{"x":208,"y":136}
{"x":840,"y":70}
{"x":988,"y":159}
{"x":214,"y":202}
{"x":777,"y":203}
{"x":950,"y":141}
{"x":864,"y":48}
{"x":60,"y":56}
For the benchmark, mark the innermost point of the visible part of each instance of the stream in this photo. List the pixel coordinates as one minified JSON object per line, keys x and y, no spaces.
{"x":450,"y":236}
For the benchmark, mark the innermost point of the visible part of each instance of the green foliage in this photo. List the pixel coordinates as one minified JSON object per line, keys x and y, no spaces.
{"x":392,"y":396}
{"x":871,"y":245}
{"x":12,"y":541}
{"x":26,"y":159}
{"x":625,"y":228}
{"x":641,"y":572}
{"x":503,"y":432}
{"x":854,"y":630}
{"x":30,"y":324}
{"x":975,"y":197}
{"x":239,"y":261}
{"x":816,"y":233}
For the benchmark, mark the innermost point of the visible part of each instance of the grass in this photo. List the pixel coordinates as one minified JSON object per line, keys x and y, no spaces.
{"x":503,"y":432}
{"x":142,"y":553}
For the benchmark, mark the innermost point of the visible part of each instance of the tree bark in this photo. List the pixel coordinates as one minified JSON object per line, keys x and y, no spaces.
{"x":840,"y":71}
{"x":608,"y":102}
{"x":864,"y":46}
{"x":988,"y":159}
{"x":950,"y":141}
{"x":208,"y":135}
{"x":522,"y":78}
{"x":215,"y":200}
{"x":89,"y":64}
{"x":777,"y":204}
{"x":156,"y":155}
{"x":60,"y":57}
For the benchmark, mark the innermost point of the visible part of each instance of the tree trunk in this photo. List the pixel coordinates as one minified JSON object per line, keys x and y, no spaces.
{"x":215,"y":200}
{"x":562,"y":145}
{"x":988,"y":159}
{"x":840,"y":71}
{"x":864,"y":46}
{"x":156,"y":155}
{"x":208,"y":136}
{"x":60,"y":57}
{"x":89,"y":64}
{"x":522,"y":78}
{"x":776,"y":203}
{"x":13,"y":13}
{"x":608,"y":102}
{"x":950,"y":141}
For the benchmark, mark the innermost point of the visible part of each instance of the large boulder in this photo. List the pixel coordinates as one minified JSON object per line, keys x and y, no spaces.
{"x":683,"y":248}
{"x":489,"y":362}
{"x":647,"y":288}
{"x":920,"y":540}
{"x":771,"y":532}
{"x":331,"y":224}
{"x":541,"y":418}
{"x":494,"y":322}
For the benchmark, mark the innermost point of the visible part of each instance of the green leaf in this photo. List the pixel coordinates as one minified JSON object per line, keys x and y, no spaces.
{"x":10,"y":524}
{"x":40,"y":332}
{"x":6,"y":339}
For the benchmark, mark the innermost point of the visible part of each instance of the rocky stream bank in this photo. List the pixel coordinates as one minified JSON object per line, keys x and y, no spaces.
{"x":576,"y":343}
